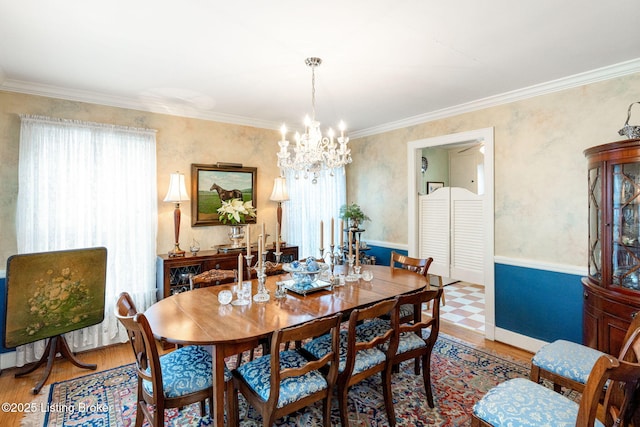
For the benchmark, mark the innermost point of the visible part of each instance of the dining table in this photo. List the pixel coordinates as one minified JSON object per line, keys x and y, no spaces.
{"x":196,"y":317}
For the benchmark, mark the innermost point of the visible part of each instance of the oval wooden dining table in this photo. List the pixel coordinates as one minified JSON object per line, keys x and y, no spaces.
{"x":196,"y":316}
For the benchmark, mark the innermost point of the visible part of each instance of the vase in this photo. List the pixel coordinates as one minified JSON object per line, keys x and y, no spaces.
{"x":354,"y":223}
{"x":236,"y":235}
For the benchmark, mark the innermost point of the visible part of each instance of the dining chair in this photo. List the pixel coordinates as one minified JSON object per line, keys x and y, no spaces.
{"x":360,"y":358}
{"x":523,"y":402}
{"x":568,"y":364}
{"x":285,"y":381}
{"x":211,"y":278}
{"x":415,"y":340}
{"x":173,"y":380}
{"x":417,"y":265}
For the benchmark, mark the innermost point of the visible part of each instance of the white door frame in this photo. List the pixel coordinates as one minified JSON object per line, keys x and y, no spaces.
{"x":414,"y":156}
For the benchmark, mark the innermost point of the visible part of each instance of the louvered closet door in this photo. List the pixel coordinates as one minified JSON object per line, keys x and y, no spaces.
{"x":467,"y":236}
{"x":452,"y":233}
{"x":434,"y":230}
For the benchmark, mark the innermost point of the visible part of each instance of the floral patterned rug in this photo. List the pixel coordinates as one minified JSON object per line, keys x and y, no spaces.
{"x":461,"y":374}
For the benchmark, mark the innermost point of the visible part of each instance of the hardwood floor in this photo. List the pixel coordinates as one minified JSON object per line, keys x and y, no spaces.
{"x":18,"y":390}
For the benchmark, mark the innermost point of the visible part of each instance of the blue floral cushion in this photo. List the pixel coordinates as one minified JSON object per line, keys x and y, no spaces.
{"x":377,"y":327}
{"x":520,"y":402}
{"x":257,"y":374}
{"x":365,"y":359}
{"x":567,"y":359}
{"x":185,"y":370}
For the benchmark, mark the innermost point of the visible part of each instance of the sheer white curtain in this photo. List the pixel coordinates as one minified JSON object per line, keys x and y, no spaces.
{"x":86,"y":185}
{"x":309,"y":204}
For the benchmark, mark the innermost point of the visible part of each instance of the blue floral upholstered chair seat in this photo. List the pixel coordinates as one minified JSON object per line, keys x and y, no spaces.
{"x":521,"y":402}
{"x":174,"y":380}
{"x":573,"y":362}
{"x":360,"y":357}
{"x":184,"y":371}
{"x":286,"y":381}
{"x":414,"y":340}
{"x":568,"y":364}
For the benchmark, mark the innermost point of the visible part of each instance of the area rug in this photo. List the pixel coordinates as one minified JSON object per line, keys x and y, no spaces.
{"x":461,"y":374}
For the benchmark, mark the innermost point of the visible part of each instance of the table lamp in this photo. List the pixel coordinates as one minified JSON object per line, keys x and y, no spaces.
{"x":279,"y":194}
{"x":177,"y":193}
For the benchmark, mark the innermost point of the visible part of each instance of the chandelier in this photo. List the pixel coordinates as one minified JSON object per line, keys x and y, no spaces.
{"x":313,"y":152}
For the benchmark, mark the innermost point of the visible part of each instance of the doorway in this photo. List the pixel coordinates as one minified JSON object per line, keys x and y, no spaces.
{"x":414,"y":162}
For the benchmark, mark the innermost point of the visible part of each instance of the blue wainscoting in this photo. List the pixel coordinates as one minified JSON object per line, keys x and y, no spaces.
{"x":382,"y":254}
{"x":3,"y":311}
{"x":537,"y":303}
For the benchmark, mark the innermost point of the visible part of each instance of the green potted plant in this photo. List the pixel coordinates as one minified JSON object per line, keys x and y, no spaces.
{"x":353,"y":214}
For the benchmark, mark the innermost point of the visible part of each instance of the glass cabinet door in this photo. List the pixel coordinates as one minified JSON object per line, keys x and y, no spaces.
{"x":625,"y":250}
{"x":595,"y":221}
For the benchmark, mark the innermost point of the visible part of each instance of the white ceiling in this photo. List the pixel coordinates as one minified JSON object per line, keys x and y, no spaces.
{"x":242,"y":61}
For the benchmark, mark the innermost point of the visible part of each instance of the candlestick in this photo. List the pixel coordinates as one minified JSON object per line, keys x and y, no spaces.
{"x":332,"y":241}
{"x":357,"y":252}
{"x":260,"y":250}
{"x":240,"y":268}
{"x":248,"y":241}
{"x":350,"y":245}
{"x":321,"y":234}
{"x":277,"y":237}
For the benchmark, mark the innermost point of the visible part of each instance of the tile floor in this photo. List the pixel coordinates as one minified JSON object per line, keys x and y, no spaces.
{"x":465,"y":305}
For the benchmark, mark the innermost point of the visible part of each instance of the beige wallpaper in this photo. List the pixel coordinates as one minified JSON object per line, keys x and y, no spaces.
{"x":180,"y":142}
{"x":540,"y":170}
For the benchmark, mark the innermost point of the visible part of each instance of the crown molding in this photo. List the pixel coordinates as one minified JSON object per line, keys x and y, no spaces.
{"x":588,"y":77}
{"x":150,"y":104}
{"x":155,"y":106}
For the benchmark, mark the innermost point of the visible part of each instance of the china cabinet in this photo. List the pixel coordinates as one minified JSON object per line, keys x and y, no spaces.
{"x":612,"y":287}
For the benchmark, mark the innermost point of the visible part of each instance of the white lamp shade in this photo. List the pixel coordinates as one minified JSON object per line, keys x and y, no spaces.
{"x":177,"y":190}
{"x":279,"y":193}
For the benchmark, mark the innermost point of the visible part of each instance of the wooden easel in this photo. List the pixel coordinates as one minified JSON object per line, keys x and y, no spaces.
{"x":57,"y":344}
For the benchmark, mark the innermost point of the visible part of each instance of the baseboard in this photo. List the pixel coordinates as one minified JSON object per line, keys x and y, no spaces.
{"x":517,"y":340}
{"x":8,"y":360}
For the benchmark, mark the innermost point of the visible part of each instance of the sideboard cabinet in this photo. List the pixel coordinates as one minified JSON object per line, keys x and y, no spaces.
{"x":173,"y":272}
{"x":612,"y":287}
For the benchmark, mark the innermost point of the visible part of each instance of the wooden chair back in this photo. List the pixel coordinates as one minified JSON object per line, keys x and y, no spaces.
{"x":329,"y":363}
{"x":622,"y":397}
{"x":143,"y":344}
{"x":418,"y":265}
{"x":426,"y":328}
{"x":299,"y":333}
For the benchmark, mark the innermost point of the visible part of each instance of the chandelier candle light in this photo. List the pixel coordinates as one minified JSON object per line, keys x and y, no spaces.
{"x":313,"y":152}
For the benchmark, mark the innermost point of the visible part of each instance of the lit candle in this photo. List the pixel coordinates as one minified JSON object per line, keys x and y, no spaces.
{"x":332,"y":231}
{"x":350,"y":245}
{"x":283,"y":130}
{"x":341,"y":233}
{"x":342,"y":128}
{"x":357,"y":251}
{"x":321,"y":235}
{"x":240,"y":268}
{"x":248,"y":241}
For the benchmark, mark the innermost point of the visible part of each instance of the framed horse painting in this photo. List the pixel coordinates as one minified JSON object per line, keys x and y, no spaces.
{"x":211,"y":184}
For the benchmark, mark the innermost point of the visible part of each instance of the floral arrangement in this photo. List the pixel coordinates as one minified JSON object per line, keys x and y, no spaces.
{"x":235,"y":211}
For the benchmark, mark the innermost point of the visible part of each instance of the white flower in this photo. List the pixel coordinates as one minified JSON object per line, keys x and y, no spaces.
{"x":236,"y":211}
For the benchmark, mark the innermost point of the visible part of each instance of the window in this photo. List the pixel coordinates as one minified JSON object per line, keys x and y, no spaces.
{"x":86,"y":185}
{"x":309,"y":204}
